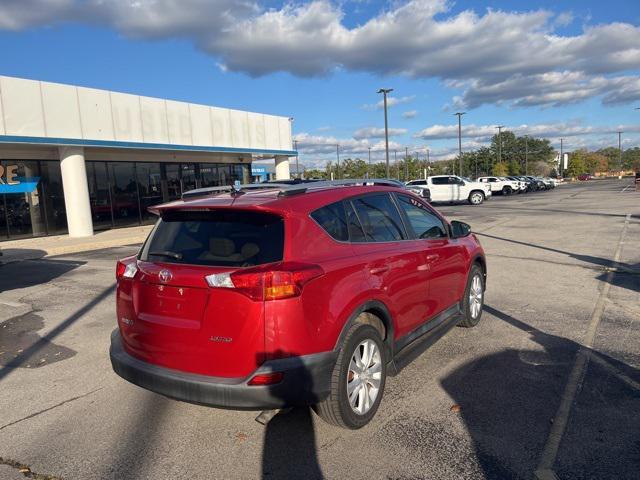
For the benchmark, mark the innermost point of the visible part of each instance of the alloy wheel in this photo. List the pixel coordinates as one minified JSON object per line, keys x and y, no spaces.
{"x":475,"y":296}
{"x":364,"y":376}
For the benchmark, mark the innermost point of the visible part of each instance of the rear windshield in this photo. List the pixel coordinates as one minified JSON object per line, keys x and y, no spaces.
{"x":216,"y":238}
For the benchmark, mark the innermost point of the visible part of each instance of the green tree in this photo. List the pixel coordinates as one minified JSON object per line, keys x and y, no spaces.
{"x":612,"y":155}
{"x":500,"y":169}
{"x":514,"y":167}
{"x":576,"y":164}
{"x":315,"y":173}
{"x":353,"y":168}
{"x":631,"y":159}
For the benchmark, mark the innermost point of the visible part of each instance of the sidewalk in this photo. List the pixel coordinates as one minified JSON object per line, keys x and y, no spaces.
{"x":32,"y":248}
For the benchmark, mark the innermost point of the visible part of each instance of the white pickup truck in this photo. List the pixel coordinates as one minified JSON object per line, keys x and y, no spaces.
{"x":501,"y":185}
{"x":451,"y":188}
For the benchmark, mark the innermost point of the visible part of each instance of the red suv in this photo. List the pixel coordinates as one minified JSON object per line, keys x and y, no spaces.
{"x":269,"y":296}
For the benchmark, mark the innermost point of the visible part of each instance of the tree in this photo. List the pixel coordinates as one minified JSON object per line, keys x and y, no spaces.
{"x":500,"y":169}
{"x":594,"y":162}
{"x":612,"y":155}
{"x":514,"y":168}
{"x":576,"y":164}
{"x":631,"y":159}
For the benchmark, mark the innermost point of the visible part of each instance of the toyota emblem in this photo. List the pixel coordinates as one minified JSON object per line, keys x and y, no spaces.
{"x":165,"y":276}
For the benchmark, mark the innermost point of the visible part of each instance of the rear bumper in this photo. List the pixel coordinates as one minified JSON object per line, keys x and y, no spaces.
{"x":306,"y":381}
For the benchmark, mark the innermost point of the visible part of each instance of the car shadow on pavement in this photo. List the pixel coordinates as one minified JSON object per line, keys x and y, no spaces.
{"x":508,"y":401}
{"x":554,"y":210}
{"x":625,"y":275}
{"x":42,"y":344}
{"x":289,"y":448}
{"x":138,"y":439}
{"x":27,"y":273}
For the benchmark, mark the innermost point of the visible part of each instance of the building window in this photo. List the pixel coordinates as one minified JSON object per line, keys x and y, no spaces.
{"x":120,"y":193}
{"x":34,"y":206}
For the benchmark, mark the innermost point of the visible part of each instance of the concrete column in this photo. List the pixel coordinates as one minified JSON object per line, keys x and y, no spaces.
{"x":282,"y":168}
{"x":76,"y":191}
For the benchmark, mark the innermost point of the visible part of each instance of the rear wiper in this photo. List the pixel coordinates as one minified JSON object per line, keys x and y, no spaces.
{"x":167,"y":253}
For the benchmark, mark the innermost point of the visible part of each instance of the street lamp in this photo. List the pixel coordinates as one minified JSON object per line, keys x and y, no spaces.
{"x":295,"y":147}
{"x":500,"y":127}
{"x":338,"y":161}
{"x":384,"y":92}
{"x":561,"y":166}
{"x":369,"y":167}
{"x":459,"y":114}
{"x":620,"y":150}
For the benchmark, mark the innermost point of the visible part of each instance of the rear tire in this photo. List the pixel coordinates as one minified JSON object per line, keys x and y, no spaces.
{"x":473,"y":299}
{"x":507,"y":190}
{"x":348,"y":376}
{"x":476,"y":197}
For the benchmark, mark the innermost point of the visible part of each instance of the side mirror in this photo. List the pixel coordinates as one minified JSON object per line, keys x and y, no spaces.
{"x":460,"y":229}
{"x":462,"y":182}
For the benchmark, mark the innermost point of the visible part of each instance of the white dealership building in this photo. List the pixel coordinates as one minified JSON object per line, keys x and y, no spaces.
{"x":75,"y":160}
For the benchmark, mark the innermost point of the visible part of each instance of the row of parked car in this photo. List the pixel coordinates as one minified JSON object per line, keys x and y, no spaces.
{"x":452,"y":188}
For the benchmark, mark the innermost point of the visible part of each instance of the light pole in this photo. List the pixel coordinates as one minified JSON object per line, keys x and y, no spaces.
{"x":406,"y":164}
{"x":428,"y":162}
{"x":561,"y":166}
{"x":526,"y":155}
{"x":295,"y":147}
{"x":459,"y":114}
{"x":620,"y":150}
{"x":338,"y":161}
{"x":395,"y":159}
{"x":384,"y":92}
{"x":369,"y":167}
{"x":499,"y":127}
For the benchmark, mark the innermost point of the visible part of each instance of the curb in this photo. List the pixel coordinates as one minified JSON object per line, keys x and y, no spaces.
{"x":37,"y":253}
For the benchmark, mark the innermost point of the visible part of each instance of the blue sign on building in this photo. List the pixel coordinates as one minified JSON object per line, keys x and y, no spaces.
{"x":19,"y":185}
{"x":259,"y":171}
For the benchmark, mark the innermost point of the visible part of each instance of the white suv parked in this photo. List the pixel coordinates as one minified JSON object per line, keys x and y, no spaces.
{"x":451,"y":188}
{"x":500,"y":184}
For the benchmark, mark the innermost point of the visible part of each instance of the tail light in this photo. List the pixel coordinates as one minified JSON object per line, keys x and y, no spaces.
{"x":269,"y":282}
{"x":126,"y":270}
{"x":266,"y":379}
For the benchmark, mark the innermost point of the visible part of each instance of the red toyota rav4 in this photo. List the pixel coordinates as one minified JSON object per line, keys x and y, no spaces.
{"x":269,"y":296}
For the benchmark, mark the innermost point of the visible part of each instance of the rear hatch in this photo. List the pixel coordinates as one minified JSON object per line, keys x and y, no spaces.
{"x":168,"y":313}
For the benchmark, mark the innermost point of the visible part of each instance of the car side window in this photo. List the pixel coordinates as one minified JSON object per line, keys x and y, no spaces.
{"x":440,"y":180}
{"x":425,"y":224}
{"x":333,"y":220}
{"x":356,"y":233}
{"x":379,"y":218}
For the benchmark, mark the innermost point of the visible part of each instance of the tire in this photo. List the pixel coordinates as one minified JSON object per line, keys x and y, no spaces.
{"x":336,"y":409}
{"x":507,"y":190}
{"x":476,"y":197}
{"x":471,"y":317}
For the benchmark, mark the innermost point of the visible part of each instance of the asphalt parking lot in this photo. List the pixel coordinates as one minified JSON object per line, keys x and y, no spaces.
{"x":548,"y":384}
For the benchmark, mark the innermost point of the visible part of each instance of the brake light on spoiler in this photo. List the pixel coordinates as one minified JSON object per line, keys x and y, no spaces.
{"x":268,"y":282}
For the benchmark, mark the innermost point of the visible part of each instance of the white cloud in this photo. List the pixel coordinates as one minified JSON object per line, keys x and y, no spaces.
{"x":417,"y":38}
{"x":391,"y":102}
{"x":326,"y":145}
{"x":375,"y":132}
{"x":481,"y":133}
{"x":410,"y":114}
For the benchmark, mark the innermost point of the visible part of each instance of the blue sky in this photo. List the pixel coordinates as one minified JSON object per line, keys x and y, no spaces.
{"x":558,"y":69}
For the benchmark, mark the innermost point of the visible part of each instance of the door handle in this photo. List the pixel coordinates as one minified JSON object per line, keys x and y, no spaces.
{"x":379,"y":270}
{"x":433,"y":257}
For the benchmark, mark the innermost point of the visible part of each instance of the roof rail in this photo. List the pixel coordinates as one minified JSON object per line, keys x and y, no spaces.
{"x":291,"y":189}
{"x":200,"y":192}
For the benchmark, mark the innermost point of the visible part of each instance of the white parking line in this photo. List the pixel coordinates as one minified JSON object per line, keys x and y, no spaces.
{"x":550,"y":452}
